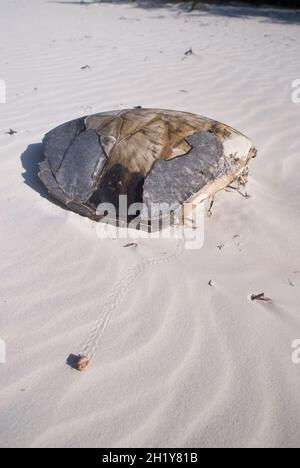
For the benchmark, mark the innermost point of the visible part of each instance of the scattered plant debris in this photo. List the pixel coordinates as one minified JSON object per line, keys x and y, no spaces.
{"x":189,"y":52}
{"x":245,"y":194}
{"x":261,"y":297}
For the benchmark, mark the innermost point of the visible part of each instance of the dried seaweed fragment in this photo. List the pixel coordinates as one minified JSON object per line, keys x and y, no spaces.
{"x":11,"y":132}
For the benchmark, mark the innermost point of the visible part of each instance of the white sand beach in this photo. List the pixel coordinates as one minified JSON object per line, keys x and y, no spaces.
{"x":183,"y":363}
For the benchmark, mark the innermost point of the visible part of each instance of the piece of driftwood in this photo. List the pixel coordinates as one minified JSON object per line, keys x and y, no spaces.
{"x":153,"y":156}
